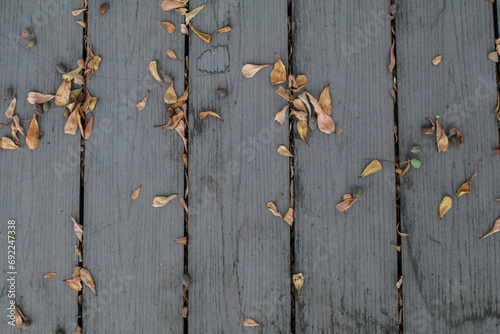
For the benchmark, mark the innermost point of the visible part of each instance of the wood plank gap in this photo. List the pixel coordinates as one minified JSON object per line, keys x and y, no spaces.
{"x":497,"y":35}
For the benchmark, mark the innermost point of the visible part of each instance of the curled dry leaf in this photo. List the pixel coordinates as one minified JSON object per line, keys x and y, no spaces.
{"x":437,"y":60}
{"x":427,"y":130}
{"x":300,"y":115}
{"x":284,"y":151}
{"x":493,"y":56}
{"x":78,"y":252}
{"x":455,"y":136}
{"x":222,"y":30}
{"x":273,"y":209}
{"x":495,"y":229}
{"x":82,"y":23}
{"x":298,"y":282}
{"x":372,"y":168}
{"x":325,"y":122}
{"x":190,"y":15}
{"x":203,"y":36}
{"x":278,"y":74}
{"x":206,"y":113}
{"x":325,"y":100}
{"x":169,"y":26}
{"x":71,"y":74}
{"x":399,"y":282}
{"x":78,"y":228}
{"x":392,"y":63}
{"x":93,"y":65}
{"x":249,"y":322}
{"x":154,"y":71}
{"x":301,"y":81}
{"x":50,"y":275}
{"x":442,"y":139}
{"x":170,"y":95}
{"x":72,"y":122}
{"x":346,"y":203}
{"x":74,"y":284}
{"x":465,"y":188}
{"x":181,"y":130}
{"x":16,"y":127}
{"x":281,"y":115}
{"x":401,"y":233}
{"x":12,"y":106}
{"x":290,"y":216}
{"x":160,"y":201}
{"x":171,"y":54}
{"x":172,"y":4}
{"x":285,"y":93}
{"x":87,"y":279}
{"x":249,"y":70}
{"x":136,"y":193}
{"x":181,"y":241}
{"x":4,"y":125}
{"x":88,"y":128}
{"x":302,"y":128}
{"x":21,"y":321}
{"x":8,"y":144}
{"x":184,"y":204}
{"x":445,"y":205}
{"x":62,"y":94}
{"x":142,"y":104}
{"x":33,"y":134}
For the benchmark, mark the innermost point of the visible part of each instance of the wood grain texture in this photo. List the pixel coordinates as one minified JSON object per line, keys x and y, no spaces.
{"x":349,"y":265}
{"x":129,"y":244}
{"x":449,"y":287}
{"x":238,"y":251}
{"x":39,"y":188}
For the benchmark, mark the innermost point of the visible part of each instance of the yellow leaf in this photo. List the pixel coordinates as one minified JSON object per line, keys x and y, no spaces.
{"x":154,"y":71}
{"x":272,"y":208}
{"x":87,"y":279}
{"x":71,"y":74}
{"x":206,"y":113}
{"x":92,"y":103}
{"x":495,"y":229}
{"x":372,"y":168}
{"x":62,"y":94}
{"x":465,"y":188}
{"x":8,"y":144}
{"x":50,"y":275}
{"x":298,"y":282}
{"x":281,"y":115}
{"x":33,"y":134}
{"x":325,"y":122}
{"x":249,"y":322}
{"x":442,"y":138}
{"x":82,"y":23}
{"x":190,"y":15}
{"x":170,"y":96}
{"x":278,"y":74}
{"x":136,"y":193}
{"x":290,"y":216}
{"x":284,"y":151}
{"x":445,"y":205}
{"x":302,"y":128}
{"x":171,"y":54}
{"x":325,"y":100}
{"x":203,"y":36}
{"x":437,"y":60}
{"x":12,"y":105}
{"x":249,"y":70}
{"x":221,"y":30}
{"x":172,"y":4}
{"x":160,"y":201}
{"x":169,"y":26}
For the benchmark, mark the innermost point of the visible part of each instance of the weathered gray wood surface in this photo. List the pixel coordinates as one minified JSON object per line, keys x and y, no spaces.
{"x":450,"y":287}
{"x":39,"y":188}
{"x":349,"y":265}
{"x":238,"y":251}
{"x":128,"y":244}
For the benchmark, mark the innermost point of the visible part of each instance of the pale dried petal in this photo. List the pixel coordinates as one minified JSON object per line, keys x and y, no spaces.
{"x":12,"y":106}
{"x":78,"y":228}
{"x":87,"y":279}
{"x":249,"y":322}
{"x":142,"y":104}
{"x":169,"y":26}
{"x":298,"y":282}
{"x":50,"y":275}
{"x":171,"y":54}
{"x":160,"y":201}
{"x":325,"y":100}
{"x":273,"y":209}
{"x":154,"y":71}
{"x":136,"y":193}
{"x":249,"y":70}
{"x":284,"y":151}
{"x":281,"y":115}
{"x":495,"y":229}
{"x":170,"y":95}
{"x":172,"y":4}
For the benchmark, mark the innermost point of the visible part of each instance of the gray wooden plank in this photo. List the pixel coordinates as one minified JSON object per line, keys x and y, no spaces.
{"x":349,"y":265}
{"x":449,"y":287}
{"x":238,"y":251}
{"x":129,"y":244}
{"x":39,"y":188}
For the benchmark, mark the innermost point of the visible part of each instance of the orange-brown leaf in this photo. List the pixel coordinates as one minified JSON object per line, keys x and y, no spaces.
{"x":33,"y":135}
{"x":325,"y":100}
{"x":62,"y":94}
{"x":221,"y":30}
{"x":169,"y":26}
{"x":74,"y":284}
{"x":142,"y":104}
{"x":346,"y":204}
{"x":290,"y":216}
{"x":50,"y":275}
{"x":88,"y":128}
{"x":273,"y":209}
{"x":465,"y":188}
{"x":72,"y":122}
{"x":172,"y":4}
{"x":78,"y":228}
{"x":325,"y":122}
{"x":278,"y":74}
{"x":206,"y":113}
{"x":136,"y":193}
{"x":442,"y":139}
{"x":181,"y":241}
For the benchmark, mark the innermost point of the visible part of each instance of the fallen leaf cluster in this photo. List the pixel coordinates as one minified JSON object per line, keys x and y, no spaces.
{"x":494,"y":54}
{"x":443,"y":140}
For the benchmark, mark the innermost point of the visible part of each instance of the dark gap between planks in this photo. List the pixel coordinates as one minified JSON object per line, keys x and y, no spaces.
{"x":497,"y":66}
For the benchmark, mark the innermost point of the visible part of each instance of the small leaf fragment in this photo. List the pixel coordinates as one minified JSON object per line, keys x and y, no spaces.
{"x":82,"y":23}
{"x":203,"y":36}
{"x":181,"y":241}
{"x":74,"y":284}
{"x":325,"y":100}
{"x":169,"y":26}
{"x":78,"y":228}
{"x":142,"y":104}
{"x":103,"y":8}
{"x":249,"y":70}
{"x":154,"y":71}
{"x":442,"y":139}
{"x":401,"y":233}
{"x":273,"y":209}
{"x":33,"y":135}
{"x":493,"y":56}
{"x":285,"y":93}
{"x":372,"y":168}
{"x":206,"y":113}
{"x":12,"y":106}
{"x":278,"y":74}
{"x":437,"y":60}
{"x":302,"y":128}
{"x":160,"y":201}
{"x":222,"y":30}
{"x":284,"y":151}
{"x":87,"y":279}
{"x":190,"y":15}
{"x":495,"y":229}
{"x":136,"y":193}
{"x":184,"y":29}
{"x":298,"y":282}
{"x":392,"y":63}
{"x":171,"y":54}
{"x":249,"y":322}
{"x":281,"y":115}
{"x":290,"y":216}
{"x":170,"y":95}
{"x":465,"y":188}
{"x":8,"y":144}
{"x":445,"y":205}
{"x":50,"y":275}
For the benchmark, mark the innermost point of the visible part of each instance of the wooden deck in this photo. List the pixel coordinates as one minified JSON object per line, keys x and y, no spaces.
{"x":239,"y":257}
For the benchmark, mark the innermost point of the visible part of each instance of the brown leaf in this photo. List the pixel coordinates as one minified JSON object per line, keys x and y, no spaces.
{"x":136,"y":193}
{"x":301,"y":81}
{"x":392,"y":63}
{"x":78,"y":228}
{"x":278,"y":74}
{"x":284,"y":151}
{"x":78,"y":252}
{"x":76,"y":273}
{"x":300,"y":115}
{"x":281,"y":115}
{"x":181,"y":130}
{"x":170,"y":96}
{"x":429,"y":130}
{"x":87,"y":279}
{"x":495,"y":229}
{"x":62,"y":94}
{"x":445,"y":205}
{"x":171,"y":54}
{"x":154,"y":71}
{"x":372,"y":168}
{"x":172,"y":4}
{"x":184,"y":204}
{"x":325,"y":100}
{"x":442,"y":139}
{"x":142,"y":104}
{"x":274,"y":211}
{"x":12,"y":105}
{"x":182,"y":241}
{"x":8,"y":144}
{"x":437,"y":60}
{"x":79,"y":80}
{"x":346,"y":204}
{"x":33,"y":135}
{"x":16,"y":127}
{"x":285,"y":93}
{"x":203,"y":36}
{"x":493,"y":56}
{"x":182,"y":99}
{"x":401,"y":233}
{"x":455,"y":136}
{"x":93,"y":64}
{"x":74,"y":284}
{"x":21,"y":321}
{"x":290,"y":216}
{"x":302,"y":128}
{"x":88,"y":128}
{"x":160,"y":201}
{"x":206,"y":113}
{"x":49,"y":275}
{"x":190,"y":15}
{"x":221,"y":30}
{"x":4,"y":125}
{"x":298,"y":282}
{"x":325,"y":122}
{"x":72,"y":122}
{"x":169,"y":26}
{"x":249,"y":70}
{"x":249,"y":322}
{"x":465,"y":188}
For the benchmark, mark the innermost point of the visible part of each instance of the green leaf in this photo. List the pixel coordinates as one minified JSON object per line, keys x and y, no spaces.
{"x":415,"y":163}
{"x":416,"y":149}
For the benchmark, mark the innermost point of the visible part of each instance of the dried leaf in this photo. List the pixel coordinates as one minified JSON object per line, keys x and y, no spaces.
{"x":142,"y":104}
{"x":169,"y":26}
{"x":495,"y":229}
{"x":160,"y":201}
{"x":249,"y":322}
{"x":493,"y":56}
{"x":74,"y":284}
{"x":339,"y":131}
{"x":285,"y":93}
{"x":429,"y":130}
{"x":206,"y":113}
{"x":203,"y":36}
{"x":442,"y":139}
{"x":401,"y":233}
{"x":50,"y":275}
{"x":8,"y":144}
{"x":87,"y":279}
{"x":274,"y":211}
{"x":71,"y":74}
{"x":397,"y":247}
{"x":181,"y":241}
{"x":465,"y":188}
{"x":325,"y":100}
{"x":290,"y":216}
{"x":4,"y":125}
{"x":346,"y":204}
{"x":78,"y":252}
{"x":170,"y":96}
{"x":16,"y":127}
{"x":300,"y":115}
{"x":79,"y":80}
{"x":445,"y":205}
{"x":221,"y":30}
{"x":182,"y":99}
{"x":437,"y":60}
{"x":184,"y":29}
{"x":136,"y":193}
{"x":103,"y":8}
{"x":455,"y":136}
{"x":12,"y":106}
{"x":399,"y":282}
{"x":82,"y":23}
{"x":281,"y":115}
{"x":78,"y":228}
{"x":171,"y":54}
{"x":302,"y":128}
{"x":372,"y":168}
{"x":301,"y":81}
{"x":72,"y":122}
{"x":325,"y":122}
{"x":249,"y":70}
{"x":190,"y":15}
{"x":392,"y":63}
{"x":154,"y":71}
{"x":21,"y":321}
{"x":298,"y":282}
{"x":172,"y":4}
{"x":181,"y":130}
{"x":93,"y":64}
{"x":284,"y":151}
{"x":33,"y":135}
{"x":278,"y":74}
{"x":184,"y":204}
{"x":62,"y":94}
